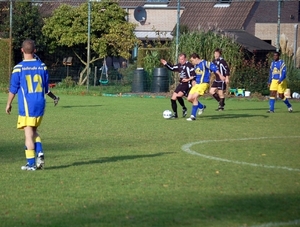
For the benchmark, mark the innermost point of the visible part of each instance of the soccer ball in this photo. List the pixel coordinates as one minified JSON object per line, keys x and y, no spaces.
{"x":167,"y":114}
{"x":296,"y":95}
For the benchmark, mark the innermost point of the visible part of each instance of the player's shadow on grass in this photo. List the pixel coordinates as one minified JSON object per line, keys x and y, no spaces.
{"x":228,"y":116}
{"x":109,"y":159}
{"x":78,"y":106}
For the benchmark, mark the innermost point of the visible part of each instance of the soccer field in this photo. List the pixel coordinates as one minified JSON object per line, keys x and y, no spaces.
{"x":115,"y":161}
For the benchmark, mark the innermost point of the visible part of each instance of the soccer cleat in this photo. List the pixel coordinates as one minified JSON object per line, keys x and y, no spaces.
{"x":40,"y":161}
{"x":200,"y":111}
{"x":28,"y":167}
{"x":174,"y":116}
{"x":220,"y":108}
{"x":270,"y":111}
{"x":56,"y":101}
{"x":290,"y":109}
{"x":192,"y":118}
{"x":184,"y":112}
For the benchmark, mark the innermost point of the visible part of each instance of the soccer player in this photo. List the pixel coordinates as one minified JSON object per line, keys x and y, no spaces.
{"x":186,"y":75}
{"x":219,"y":86}
{"x":277,"y":83}
{"x":29,"y":80}
{"x":55,"y":98}
{"x":202,"y":70}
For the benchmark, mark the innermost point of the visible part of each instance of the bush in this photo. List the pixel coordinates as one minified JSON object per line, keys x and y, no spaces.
{"x":67,"y":83}
{"x":251,"y":76}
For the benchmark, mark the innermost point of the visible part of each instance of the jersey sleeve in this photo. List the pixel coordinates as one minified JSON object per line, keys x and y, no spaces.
{"x":171,"y":67}
{"x":270,"y":73}
{"x":224,"y":68}
{"x":15,"y":80}
{"x":46,"y":79}
{"x":211,"y":66}
{"x":191,"y":71}
{"x":282,"y":72}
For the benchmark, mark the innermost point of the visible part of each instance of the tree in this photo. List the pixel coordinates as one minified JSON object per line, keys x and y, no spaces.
{"x":111,"y":34}
{"x":27,"y":23}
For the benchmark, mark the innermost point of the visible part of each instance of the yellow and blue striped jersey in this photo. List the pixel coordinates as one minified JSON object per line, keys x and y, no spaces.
{"x":277,"y":71}
{"x":29,"y":80}
{"x":202,"y":71}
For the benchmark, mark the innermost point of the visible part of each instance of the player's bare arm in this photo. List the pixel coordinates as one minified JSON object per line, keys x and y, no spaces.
{"x":163,"y":61}
{"x":10,"y":98}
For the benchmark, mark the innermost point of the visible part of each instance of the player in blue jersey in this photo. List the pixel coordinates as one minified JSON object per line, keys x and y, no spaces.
{"x":201,"y":85}
{"x":29,"y":80}
{"x":277,"y":83}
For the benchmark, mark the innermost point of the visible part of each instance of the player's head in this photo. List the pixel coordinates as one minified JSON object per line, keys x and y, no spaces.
{"x":194,"y":58}
{"x":276,"y":56}
{"x":28,"y":46}
{"x":182,"y":58}
{"x":217,"y":53}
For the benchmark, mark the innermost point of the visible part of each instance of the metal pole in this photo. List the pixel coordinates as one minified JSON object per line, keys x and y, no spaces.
{"x":295,"y":45}
{"x":88,"y":46}
{"x":278,"y":26}
{"x":177,"y":29}
{"x":10,"y":39}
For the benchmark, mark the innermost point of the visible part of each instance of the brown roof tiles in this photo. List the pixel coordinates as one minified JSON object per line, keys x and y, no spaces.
{"x":203,"y":15}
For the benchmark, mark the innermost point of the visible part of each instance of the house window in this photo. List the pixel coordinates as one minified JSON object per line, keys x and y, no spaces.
{"x":222,"y":3}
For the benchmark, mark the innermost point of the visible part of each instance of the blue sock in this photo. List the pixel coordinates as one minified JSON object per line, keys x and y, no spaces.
{"x":272,"y":103}
{"x":194,"y":110}
{"x":200,"y":105}
{"x":287,"y":103}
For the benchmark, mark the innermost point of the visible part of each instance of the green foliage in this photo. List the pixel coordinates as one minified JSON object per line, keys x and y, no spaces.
{"x":27,"y":23}
{"x":111,"y":34}
{"x":204,"y":44}
{"x":5,"y":70}
{"x":251,"y":76}
{"x":127,"y":73}
{"x":149,"y":58}
{"x":293,"y":74}
{"x":67,"y":82}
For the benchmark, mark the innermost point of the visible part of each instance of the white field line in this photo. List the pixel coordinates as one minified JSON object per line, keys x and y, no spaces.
{"x":277,"y":224}
{"x":187,"y":148}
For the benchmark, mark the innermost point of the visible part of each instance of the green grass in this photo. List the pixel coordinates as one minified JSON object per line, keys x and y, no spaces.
{"x":114,"y":161}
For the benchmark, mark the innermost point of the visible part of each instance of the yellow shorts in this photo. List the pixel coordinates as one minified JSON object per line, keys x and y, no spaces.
{"x":199,"y":88}
{"x":280,"y":88}
{"x":24,"y":121}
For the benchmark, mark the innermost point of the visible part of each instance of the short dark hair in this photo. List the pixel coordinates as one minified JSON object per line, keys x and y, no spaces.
{"x":218,"y":50}
{"x":194,"y":55}
{"x":277,"y":52}
{"x":28,"y":46}
{"x":182,"y":54}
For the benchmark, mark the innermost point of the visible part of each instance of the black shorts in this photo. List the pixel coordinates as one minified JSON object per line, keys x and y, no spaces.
{"x":184,"y":88}
{"x":221,"y":85}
